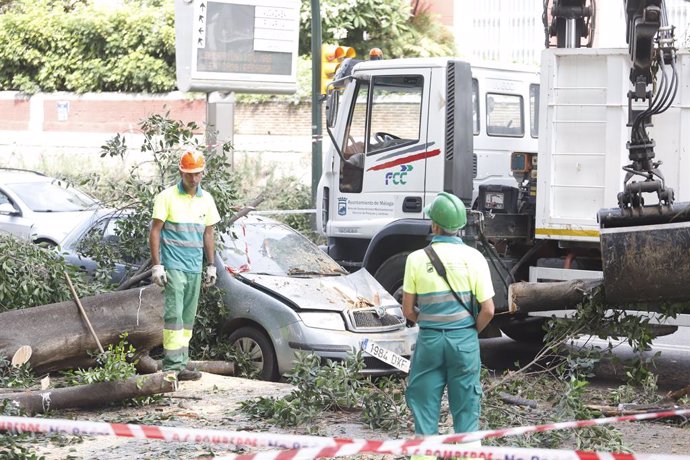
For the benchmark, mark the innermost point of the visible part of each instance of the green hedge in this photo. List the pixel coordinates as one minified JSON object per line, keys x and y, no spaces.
{"x":44,"y":48}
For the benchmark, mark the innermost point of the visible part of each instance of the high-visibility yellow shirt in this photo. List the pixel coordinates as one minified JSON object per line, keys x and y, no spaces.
{"x":468,"y":273}
{"x":185,"y":218}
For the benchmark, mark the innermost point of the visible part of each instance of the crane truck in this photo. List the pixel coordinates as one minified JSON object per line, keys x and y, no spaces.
{"x":558,"y":167}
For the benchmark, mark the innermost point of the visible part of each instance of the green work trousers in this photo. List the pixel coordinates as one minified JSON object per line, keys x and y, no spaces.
{"x":181,"y":301}
{"x":445,"y":358}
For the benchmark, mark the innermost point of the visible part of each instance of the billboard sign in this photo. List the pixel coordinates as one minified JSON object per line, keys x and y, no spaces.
{"x":237,"y":45}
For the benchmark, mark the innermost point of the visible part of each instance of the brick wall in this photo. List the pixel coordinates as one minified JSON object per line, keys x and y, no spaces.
{"x":14,"y":113}
{"x":122,"y":113}
{"x":277,"y":118}
{"x":118,"y":113}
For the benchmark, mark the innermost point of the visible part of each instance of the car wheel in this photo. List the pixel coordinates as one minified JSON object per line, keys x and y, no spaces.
{"x":260,"y":350}
{"x":390,"y":274}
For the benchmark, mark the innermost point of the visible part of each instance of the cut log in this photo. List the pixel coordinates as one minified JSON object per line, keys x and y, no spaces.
{"x":517,"y":400}
{"x":524,"y":297}
{"x":93,"y":395}
{"x":60,"y":339}
{"x":148,"y":365}
{"x":629,"y":409}
{"x":213,"y":367}
{"x":676,"y":395}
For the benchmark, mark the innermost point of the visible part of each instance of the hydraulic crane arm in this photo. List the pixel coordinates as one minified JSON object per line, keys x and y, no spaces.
{"x":651,"y":45}
{"x":644,"y":247}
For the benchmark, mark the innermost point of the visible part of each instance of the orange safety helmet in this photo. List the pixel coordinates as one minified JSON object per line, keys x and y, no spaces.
{"x":375,"y":54}
{"x":192,"y":161}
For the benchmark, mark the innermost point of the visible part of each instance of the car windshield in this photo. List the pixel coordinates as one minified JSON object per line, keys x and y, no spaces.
{"x":272,"y":248}
{"x":52,"y":197}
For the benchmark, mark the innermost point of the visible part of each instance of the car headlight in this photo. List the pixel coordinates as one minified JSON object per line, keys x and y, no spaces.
{"x":323,"y":320}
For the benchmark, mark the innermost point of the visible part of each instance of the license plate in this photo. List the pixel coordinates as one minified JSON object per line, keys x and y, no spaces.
{"x":385,"y":355}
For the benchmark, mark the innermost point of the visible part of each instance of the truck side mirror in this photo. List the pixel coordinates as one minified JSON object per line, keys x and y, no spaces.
{"x":8,"y":210}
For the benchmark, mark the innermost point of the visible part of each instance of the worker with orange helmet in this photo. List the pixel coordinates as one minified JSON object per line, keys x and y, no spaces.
{"x":375,"y":54}
{"x":181,"y":237}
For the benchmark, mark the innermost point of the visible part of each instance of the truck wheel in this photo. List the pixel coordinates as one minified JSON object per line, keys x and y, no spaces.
{"x":527,"y":330}
{"x":390,"y":274}
{"x":260,"y":350}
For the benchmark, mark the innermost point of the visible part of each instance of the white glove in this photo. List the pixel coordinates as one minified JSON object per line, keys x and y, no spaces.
{"x":158,"y":275}
{"x":210,"y":277}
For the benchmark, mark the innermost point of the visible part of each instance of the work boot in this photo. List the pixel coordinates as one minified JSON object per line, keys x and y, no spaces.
{"x":186,"y":374}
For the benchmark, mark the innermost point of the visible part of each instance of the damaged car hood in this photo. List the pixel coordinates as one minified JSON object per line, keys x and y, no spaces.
{"x":336,"y":293}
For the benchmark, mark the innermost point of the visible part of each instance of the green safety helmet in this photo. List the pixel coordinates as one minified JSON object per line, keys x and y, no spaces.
{"x":447,"y":211}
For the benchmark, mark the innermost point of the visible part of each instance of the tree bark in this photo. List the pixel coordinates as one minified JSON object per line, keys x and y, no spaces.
{"x":213,"y":367}
{"x":95,"y":394}
{"x":524,"y":297}
{"x":60,"y":339}
{"x":148,"y":365}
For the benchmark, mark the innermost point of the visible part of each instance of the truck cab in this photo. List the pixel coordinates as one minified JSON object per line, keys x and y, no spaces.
{"x":403,"y":130}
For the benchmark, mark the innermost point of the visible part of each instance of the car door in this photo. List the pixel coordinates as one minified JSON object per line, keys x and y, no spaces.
{"x":101,"y":234}
{"x":12,"y":219}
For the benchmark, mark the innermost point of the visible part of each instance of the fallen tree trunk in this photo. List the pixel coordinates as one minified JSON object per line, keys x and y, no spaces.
{"x":148,"y":365}
{"x":60,"y":339}
{"x":95,"y":394}
{"x":630,"y":409}
{"x":525,"y":297}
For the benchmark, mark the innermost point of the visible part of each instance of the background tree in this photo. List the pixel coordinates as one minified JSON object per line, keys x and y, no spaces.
{"x":73,"y":45}
{"x":398,"y":27}
{"x":45,"y":46}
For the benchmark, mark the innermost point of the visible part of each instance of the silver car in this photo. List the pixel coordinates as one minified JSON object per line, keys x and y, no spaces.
{"x":284,"y":295}
{"x":40,"y":208}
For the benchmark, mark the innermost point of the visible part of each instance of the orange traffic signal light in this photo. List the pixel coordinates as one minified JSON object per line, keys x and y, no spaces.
{"x":331,"y":57}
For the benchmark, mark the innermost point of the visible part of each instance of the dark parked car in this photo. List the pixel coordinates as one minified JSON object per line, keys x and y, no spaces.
{"x":41,"y":208}
{"x":284,"y":295}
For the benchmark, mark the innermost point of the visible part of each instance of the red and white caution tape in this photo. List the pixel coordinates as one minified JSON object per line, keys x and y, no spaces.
{"x":450,"y":451}
{"x":163,"y":433}
{"x":301,"y":445}
{"x":477,"y":435}
{"x":420,"y":446}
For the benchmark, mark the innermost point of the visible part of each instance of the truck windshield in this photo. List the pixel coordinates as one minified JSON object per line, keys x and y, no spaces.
{"x":395,"y":110}
{"x":385,"y":115}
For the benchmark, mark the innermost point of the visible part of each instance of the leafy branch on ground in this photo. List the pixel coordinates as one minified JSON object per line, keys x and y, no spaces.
{"x":331,"y":386}
{"x":15,"y":376}
{"x":32,"y":275}
{"x":558,"y":379}
{"x":116,"y":363}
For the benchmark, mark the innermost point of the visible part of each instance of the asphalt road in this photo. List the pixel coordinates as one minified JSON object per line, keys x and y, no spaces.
{"x":672,"y":366}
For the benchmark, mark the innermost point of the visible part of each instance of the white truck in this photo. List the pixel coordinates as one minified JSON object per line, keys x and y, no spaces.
{"x":404,"y":130}
{"x":546,"y":209}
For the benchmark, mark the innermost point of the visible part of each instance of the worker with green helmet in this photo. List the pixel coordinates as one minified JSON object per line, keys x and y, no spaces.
{"x":447,"y":349}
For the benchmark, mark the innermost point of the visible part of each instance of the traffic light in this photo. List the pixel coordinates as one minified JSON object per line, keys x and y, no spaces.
{"x":331,"y":57}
